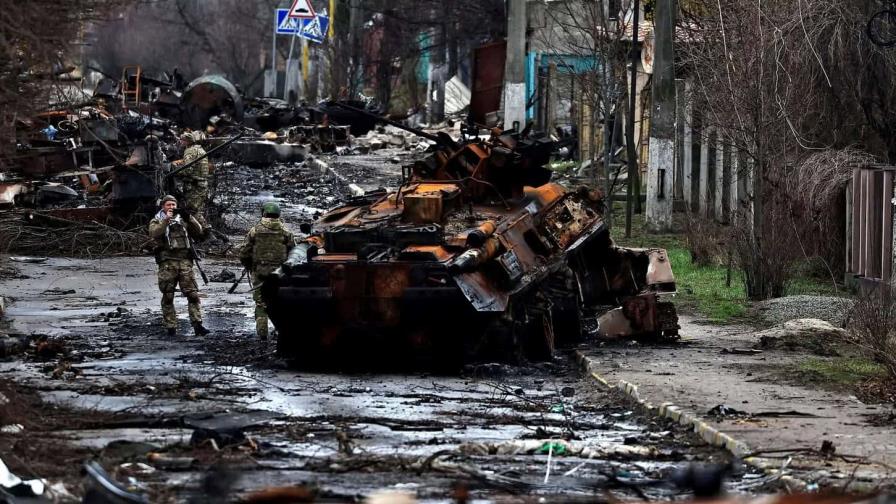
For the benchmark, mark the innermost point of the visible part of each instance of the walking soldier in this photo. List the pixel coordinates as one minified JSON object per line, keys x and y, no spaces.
{"x":267,"y":246}
{"x":172,"y":229}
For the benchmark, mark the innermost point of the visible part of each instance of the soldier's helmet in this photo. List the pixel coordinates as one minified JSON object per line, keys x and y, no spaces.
{"x":270,"y":209}
{"x":166,"y":198}
{"x":187,"y":137}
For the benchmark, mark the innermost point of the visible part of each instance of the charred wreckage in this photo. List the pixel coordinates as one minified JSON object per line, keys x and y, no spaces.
{"x":477,"y":255}
{"x":113,"y":146}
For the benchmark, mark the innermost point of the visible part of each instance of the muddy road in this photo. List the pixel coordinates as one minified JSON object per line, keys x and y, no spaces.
{"x":210,"y":419}
{"x":178,"y":418}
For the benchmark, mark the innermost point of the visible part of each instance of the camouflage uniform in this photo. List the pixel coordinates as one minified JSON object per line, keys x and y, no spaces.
{"x":172,"y":237}
{"x":194,"y":182}
{"x":267,"y":246}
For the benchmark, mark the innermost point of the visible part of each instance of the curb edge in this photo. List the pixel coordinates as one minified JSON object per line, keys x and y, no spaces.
{"x":706,"y":432}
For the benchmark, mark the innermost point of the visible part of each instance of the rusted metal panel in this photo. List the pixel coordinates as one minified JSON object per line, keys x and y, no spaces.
{"x":434,"y":252}
{"x":46,"y":161}
{"x":422,"y":206}
{"x":488,"y":80}
{"x":513,"y":238}
{"x":886,"y":227}
{"x":639,"y":316}
{"x":659,"y":272}
{"x":870,"y":237}
{"x":876,"y":242}
{"x":481,"y":293}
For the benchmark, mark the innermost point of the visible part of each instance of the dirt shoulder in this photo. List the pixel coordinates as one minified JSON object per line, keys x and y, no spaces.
{"x":775,"y":413}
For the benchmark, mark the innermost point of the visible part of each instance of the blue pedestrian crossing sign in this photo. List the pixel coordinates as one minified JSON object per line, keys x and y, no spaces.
{"x":314,"y":29}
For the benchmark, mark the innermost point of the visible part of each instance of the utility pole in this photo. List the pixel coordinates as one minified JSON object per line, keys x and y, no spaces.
{"x":661,"y":163}
{"x":355,"y":67}
{"x":292,"y":74}
{"x":631,"y":148}
{"x":270,"y":81}
{"x":608,"y":141}
{"x":515,"y":65}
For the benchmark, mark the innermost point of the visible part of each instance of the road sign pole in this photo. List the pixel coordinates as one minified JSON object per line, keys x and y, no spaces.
{"x":287,"y":85}
{"x":331,"y":29}
{"x":274,"y":55}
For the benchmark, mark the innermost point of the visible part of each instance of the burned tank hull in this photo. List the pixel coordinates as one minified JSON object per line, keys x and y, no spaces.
{"x":466,"y":261}
{"x":337,"y":311}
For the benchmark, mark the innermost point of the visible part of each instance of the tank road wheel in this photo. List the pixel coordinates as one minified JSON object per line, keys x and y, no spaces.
{"x":540,"y":335}
{"x":537,"y":328}
{"x":524,"y":331}
{"x":298,"y":350}
{"x":566,"y":310}
{"x":497,"y":342}
{"x":667,"y":319}
{"x":881,"y":28}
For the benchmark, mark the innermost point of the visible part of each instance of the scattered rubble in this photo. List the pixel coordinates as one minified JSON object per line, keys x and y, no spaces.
{"x":392,"y":137}
{"x":17,"y":486}
{"x":829,"y":308}
{"x":94,"y":171}
{"x":225,"y":275}
{"x":814,"y":335}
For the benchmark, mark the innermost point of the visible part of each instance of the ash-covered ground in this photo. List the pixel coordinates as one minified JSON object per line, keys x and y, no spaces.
{"x":211,"y":419}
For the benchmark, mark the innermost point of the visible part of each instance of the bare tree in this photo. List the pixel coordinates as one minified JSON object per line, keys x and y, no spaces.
{"x":592,"y":47}
{"x":781,"y":81}
{"x":231,"y":37}
{"x":34,"y":53}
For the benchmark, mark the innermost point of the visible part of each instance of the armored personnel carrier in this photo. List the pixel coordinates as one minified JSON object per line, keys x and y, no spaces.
{"x":476,"y":256}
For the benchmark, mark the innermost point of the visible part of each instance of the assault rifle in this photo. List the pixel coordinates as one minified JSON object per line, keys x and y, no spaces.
{"x":238,"y":280}
{"x":196,"y":260}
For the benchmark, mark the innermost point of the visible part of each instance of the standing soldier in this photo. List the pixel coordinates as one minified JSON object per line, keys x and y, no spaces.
{"x":194,"y":180}
{"x":267,"y":246}
{"x":172,"y":230}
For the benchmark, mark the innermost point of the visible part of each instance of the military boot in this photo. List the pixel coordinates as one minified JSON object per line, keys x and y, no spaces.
{"x":199,"y":329}
{"x":261,"y":328}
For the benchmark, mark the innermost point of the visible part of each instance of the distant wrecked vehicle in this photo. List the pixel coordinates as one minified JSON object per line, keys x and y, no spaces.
{"x":476,"y":256}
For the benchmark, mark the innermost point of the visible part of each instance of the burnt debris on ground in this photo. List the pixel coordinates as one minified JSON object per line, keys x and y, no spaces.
{"x":166,"y":418}
{"x":165,"y":426}
{"x":227,"y":416}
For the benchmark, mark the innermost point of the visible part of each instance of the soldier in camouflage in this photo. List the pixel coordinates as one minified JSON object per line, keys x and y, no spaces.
{"x":267,"y":246}
{"x":194,"y":180}
{"x":172,"y":230}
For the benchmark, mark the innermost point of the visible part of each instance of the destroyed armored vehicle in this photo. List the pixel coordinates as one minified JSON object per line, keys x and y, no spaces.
{"x":476,"y":256}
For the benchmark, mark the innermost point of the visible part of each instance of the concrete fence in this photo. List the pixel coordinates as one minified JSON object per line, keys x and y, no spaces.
{"x":712,"y":177}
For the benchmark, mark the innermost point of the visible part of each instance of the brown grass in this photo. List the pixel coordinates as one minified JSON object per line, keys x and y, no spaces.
{"x":872,"y":326}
